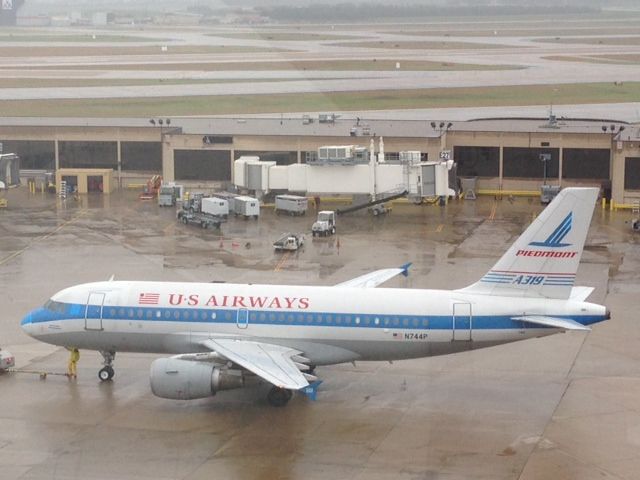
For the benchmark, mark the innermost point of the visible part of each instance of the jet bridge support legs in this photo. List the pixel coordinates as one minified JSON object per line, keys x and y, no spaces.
{"x":107,"y":372}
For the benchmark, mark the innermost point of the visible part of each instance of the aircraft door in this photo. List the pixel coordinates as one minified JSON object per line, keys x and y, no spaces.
{"x":93,"y":311}
{"x":462,"y":322}
{"x":242,"y":318}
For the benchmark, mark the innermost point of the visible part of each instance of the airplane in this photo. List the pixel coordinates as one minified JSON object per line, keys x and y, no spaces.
{"x":220,"y":334}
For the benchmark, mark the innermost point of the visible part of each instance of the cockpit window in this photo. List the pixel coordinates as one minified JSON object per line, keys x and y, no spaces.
{"x":56,"y":307}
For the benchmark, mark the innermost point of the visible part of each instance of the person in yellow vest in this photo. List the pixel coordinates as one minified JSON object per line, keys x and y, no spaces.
{"x":72,"y":371}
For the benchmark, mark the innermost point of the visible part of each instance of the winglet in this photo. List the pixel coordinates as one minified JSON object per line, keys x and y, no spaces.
{"x":405,"y":269}
{"x":311,"y":390}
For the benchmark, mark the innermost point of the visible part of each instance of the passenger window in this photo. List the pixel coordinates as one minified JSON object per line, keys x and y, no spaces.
{"x":396,"y":321}
{"x":176,"y":314}
{"x":377,"y":321}
{"x":140,"y":313}
{"x":185,"y":314}
{"x":252,"y":317}
{"x":112,"y":312}
{"x":213,"y":315}
{"x":149,"y":313}
{"x":405,"y":322}
{"x":415,"y":322}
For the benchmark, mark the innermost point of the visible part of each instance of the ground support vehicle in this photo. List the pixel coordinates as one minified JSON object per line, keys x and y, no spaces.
{"x":325,"y":225}
{"x":202,"y":219}
{"x":167,"y":196}
{"x":7,"y":360}
{"x":291,"y":204}
{"x":380,"y":209}
{"x":215,"y":206}
{"x":289,"y":242}
{"x":246,"y":207}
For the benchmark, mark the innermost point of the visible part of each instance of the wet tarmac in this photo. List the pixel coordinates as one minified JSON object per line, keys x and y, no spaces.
{"x":561,"y":407}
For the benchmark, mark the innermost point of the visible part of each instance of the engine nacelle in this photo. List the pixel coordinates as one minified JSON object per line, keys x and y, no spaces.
{"x":187,"y":380}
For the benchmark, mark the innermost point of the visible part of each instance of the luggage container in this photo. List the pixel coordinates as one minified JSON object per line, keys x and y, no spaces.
{"x":215,"y":206}
{"x":246,"y":207}
{"x":291,"y":204}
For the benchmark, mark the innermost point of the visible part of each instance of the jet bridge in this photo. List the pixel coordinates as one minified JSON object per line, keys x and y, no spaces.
{"x":353,"y":177}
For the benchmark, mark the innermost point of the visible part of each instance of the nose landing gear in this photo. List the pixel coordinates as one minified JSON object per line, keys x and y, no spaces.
{"x":107,"y":372}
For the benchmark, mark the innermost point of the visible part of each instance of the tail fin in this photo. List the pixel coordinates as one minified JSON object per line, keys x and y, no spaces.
{"x":544,"y":260}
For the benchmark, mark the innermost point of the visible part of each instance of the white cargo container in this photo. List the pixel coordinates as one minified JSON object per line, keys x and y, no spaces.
{"x":291,"y":204}
{"x":246,"y":207}
{"x":215,"y":206}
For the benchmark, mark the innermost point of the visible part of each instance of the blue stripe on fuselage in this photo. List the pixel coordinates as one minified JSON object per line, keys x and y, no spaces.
{"x":271,"y":317}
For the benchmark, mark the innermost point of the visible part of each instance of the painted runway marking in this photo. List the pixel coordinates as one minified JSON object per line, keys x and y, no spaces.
{"x":439,"y":228}
{"x":44,"y":237}
{"x":282,"y":261}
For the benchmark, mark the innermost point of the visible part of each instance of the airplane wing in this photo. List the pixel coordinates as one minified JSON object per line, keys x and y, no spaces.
{"x":554,"y":322}
{"x":273,"y":363}
{"x":373,"y":279}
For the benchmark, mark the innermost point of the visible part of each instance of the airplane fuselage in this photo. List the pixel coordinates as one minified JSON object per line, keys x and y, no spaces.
{"x":328,"y":325}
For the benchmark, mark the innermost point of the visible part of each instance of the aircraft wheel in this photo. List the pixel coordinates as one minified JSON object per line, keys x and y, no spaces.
{"x":105,"y":374}
{"x":279,"y":397}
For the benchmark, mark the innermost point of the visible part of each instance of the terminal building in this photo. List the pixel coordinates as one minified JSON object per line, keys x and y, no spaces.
{"x":505,"y":154}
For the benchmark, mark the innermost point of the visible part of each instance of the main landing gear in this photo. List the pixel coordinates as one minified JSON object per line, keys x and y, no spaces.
{"x":279,"y":397}
{"x":107,"y":372}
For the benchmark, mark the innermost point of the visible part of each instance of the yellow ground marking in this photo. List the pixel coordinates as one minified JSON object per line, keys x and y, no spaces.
{"x":282,"y":261}
{"x":43,"y":237}
{"x":439,"y":228}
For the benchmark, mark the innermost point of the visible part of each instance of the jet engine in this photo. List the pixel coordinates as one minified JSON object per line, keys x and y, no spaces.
{"x":187,"y":380}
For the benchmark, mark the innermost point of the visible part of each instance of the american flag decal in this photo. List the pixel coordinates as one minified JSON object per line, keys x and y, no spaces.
{"x":149,"y":298}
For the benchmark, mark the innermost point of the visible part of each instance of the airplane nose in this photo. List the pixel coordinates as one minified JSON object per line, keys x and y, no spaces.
{"x":27,"y":320}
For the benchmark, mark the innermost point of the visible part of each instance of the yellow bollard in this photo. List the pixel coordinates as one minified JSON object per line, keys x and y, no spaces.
{"x":604,"y":203}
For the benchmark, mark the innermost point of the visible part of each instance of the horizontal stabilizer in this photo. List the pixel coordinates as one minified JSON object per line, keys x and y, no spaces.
{"x":373,"y":279}
{"x":580,"y":294}
{"x":554,"y":322}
